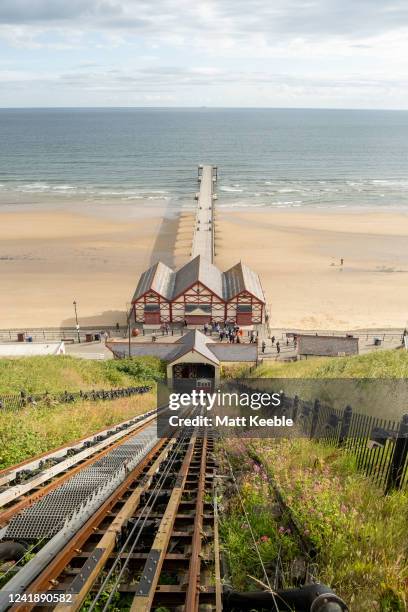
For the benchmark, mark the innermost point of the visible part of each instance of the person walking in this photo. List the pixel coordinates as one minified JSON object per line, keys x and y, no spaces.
{"x":263,"y":346}
{"x":273,"y":340}
{"x":278,"y":348}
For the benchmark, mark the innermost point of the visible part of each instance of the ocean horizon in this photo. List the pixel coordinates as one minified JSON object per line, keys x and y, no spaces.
{"x":268,"y":158}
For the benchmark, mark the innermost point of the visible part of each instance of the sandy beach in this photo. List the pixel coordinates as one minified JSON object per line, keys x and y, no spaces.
{"x":50,"y":256}
{"x":298,"y":253}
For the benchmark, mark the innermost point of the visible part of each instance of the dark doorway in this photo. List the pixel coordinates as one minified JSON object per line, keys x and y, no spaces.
{"x":190,"y":376}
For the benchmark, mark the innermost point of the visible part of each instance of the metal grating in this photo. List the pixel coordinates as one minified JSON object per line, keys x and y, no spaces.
{"x":88,"y":488}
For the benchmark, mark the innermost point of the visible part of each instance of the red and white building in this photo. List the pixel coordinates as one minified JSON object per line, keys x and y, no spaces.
{"x":198,"y":293}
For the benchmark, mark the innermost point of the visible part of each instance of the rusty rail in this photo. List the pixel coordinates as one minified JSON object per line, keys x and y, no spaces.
{"x":172,"y":562}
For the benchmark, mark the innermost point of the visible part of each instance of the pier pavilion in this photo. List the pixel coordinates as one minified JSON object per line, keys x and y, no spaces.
{"x":198,"y":292}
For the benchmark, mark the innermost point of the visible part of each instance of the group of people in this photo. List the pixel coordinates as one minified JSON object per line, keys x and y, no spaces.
{"x":231,"y":333}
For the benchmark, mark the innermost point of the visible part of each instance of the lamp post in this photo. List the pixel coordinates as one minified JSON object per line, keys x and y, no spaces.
{"x":128,"y":316}
{"x":76,"y":320}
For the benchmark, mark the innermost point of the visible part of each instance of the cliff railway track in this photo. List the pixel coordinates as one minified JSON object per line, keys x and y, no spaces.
{"x":24,"y":484}
{"x":149,"y":541}
{"x":142,"y":537}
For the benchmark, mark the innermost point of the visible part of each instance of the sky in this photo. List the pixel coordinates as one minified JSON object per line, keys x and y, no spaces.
{"x":228,"y":53}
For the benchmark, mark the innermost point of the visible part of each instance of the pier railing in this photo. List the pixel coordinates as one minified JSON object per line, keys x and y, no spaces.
{"x":203,"y":232}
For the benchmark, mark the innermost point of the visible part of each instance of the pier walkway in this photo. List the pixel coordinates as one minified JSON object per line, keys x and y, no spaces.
{"x":203,"y":234}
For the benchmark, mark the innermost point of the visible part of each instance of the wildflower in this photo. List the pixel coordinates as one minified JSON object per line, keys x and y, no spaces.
{"x":281,"y":529}
{"x":264,"y":538}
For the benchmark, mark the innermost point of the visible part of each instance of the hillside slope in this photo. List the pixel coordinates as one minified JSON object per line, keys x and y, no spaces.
{"x":57,"y":374}
{"x":382,"y":364}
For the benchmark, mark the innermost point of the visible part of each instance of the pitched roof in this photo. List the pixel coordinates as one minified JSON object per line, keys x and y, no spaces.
{"x":200,"y":270}
{"x":163,"y":350}
{"x":194,"y":340}
{"x":241,"y":278}
{"x":159,"y":278}
{"x":169,"y":284}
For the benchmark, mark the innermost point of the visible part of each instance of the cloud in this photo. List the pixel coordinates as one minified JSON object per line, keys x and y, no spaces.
{"x":218,"y":51}
{"x":43,"y":11}
{"x":286,"y":18}
{"x":172,"y":78}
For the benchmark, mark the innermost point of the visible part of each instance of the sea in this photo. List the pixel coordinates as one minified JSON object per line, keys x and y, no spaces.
{"x":271,"y":158}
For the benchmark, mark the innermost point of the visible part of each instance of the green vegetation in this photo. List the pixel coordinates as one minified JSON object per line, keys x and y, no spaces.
{"x":375,"y":384}
{"x":57,"y":374}
{"x":381,"y":364}
{"x":360,"y":535}
{"x":35,"y":430}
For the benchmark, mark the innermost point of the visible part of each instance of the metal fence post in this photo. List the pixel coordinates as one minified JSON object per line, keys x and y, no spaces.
{"x":295,"y":408}
{"x":399,"y":457}
{"x":345,"y":425}
{"x":315,"y":418}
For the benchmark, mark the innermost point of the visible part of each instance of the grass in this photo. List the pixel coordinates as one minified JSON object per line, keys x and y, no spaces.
{"x":374,"y":384}
{"x":57,"y":374}
{"x":381,"y":364}
{"x":35,"y":430}
{"x":360,"y":535}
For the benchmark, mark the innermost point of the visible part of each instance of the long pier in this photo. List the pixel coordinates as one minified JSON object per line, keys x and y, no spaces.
{"x":203,"y":235}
